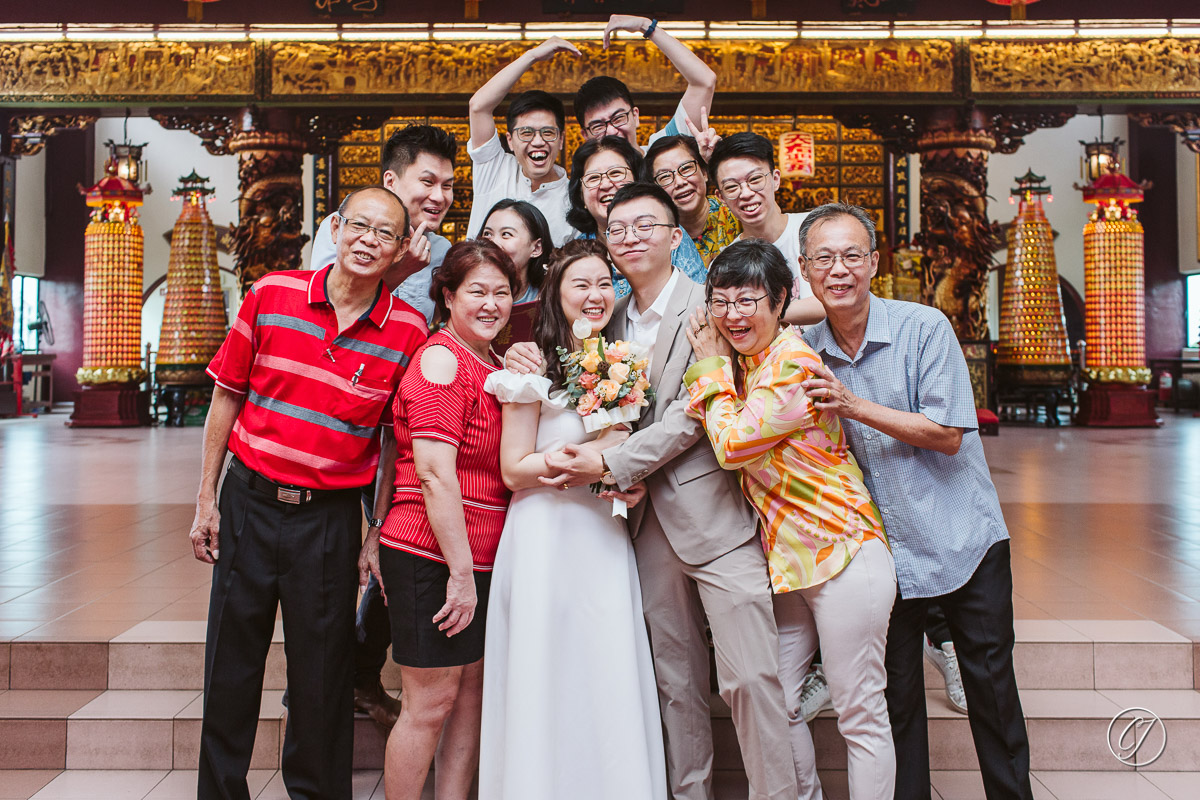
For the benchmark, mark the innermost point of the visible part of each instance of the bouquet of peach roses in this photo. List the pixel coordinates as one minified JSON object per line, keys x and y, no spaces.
{"x":605,"y":382}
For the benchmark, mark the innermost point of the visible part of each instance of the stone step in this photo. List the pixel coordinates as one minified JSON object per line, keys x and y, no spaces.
{"x":160,"y":729}
{"x":1049,"y":654}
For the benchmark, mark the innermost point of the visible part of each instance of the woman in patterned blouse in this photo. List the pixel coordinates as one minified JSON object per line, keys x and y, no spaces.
{"x":675,"y":163}
{"x":827,"y":553}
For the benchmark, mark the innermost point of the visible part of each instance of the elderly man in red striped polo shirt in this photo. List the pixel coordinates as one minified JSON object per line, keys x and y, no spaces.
{"x":305,"y":380}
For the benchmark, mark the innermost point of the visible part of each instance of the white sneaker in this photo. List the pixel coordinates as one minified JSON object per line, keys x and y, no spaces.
{"x":946,"y":660}
{"x":814,"y":693}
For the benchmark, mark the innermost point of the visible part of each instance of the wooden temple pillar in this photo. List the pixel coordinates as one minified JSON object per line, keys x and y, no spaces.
{"x":270,"y":144}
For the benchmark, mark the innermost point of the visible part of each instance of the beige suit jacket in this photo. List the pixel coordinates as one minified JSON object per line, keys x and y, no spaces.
{"x":699,"y":505}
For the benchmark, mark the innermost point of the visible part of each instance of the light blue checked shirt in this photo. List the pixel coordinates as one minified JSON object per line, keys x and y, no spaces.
{"x":941,"y":512}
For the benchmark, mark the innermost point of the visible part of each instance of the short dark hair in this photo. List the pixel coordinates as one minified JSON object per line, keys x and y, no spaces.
{"x":599,"y":91}
{"x":404,"y":147}
{"x":538,"y":228}
{"x":578,"y":217}
{"x":535,"y":100}
{"x":552,"y":328}
{"x":640,"y":189}
{"x":461,"y":258}
{"x":742,"y":144}
{"x":378,"y":187}
{"x":752,"y":262}
{"x":666,"y":143}
{"x":830,"y":210}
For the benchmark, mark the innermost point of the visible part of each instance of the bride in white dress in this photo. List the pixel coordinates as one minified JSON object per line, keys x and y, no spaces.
{"x":570,"y":708}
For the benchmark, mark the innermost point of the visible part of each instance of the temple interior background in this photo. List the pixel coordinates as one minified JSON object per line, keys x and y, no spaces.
{"x":948,"y":120}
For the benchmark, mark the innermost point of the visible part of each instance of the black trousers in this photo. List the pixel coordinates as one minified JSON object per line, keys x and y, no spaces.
{"x":980,"y":617}
{"x":303,"y":558}
{"x":372,"y":630}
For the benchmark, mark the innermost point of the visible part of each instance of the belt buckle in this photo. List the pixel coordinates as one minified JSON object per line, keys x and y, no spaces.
{"x":285,"y":495}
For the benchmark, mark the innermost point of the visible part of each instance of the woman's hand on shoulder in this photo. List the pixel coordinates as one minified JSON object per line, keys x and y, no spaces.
{"x":704,"y":337}
{"x":439,"y":364}
{"x":524,"y":358}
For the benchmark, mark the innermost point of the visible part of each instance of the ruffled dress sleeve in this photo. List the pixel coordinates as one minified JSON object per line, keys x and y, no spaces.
{"x":509,"y":387}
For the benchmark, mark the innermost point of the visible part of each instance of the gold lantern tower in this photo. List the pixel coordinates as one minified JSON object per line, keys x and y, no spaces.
{"x":1033,"y":331}
{"x":112,"y":301}
{"x":194,"y":322}
{"x":1115,"y":311}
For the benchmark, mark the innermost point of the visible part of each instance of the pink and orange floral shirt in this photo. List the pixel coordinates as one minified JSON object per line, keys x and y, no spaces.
{"x":796,"y":468}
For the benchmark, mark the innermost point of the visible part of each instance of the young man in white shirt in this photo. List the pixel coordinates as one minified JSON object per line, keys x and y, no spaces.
{"x":418,"y":167}
{"x":604,"y":106}
{"x":743,"y":166}
{"x":536,"y":122}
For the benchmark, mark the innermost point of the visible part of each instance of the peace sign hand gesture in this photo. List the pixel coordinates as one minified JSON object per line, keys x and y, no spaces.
{"x":705,"y":136}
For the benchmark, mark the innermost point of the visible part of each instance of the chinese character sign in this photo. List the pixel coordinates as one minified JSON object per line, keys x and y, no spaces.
{"x":797,"y":155}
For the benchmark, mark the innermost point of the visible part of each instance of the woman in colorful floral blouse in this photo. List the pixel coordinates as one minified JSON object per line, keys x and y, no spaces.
{"x":830,"y":566}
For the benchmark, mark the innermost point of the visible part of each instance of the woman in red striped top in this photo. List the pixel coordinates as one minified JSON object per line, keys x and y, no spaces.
{"x":441,"y":533}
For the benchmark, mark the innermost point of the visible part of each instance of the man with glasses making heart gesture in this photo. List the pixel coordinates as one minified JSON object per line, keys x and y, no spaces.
{"x":530,"y":171}
{"x":604,"y":106}
{"x":743,"y":166}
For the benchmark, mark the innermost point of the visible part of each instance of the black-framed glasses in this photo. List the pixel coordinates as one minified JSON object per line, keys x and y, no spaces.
{"x":746,"y":306}
{"x":754,"y":183}
{"x":598,"y":127}
{"x":642,"y":230}
{"x":526,"y":133}
{"x":666,"y":177}
{"x":615,"y":174}
{"x":360,"y":228}
{"x":826,"y":260}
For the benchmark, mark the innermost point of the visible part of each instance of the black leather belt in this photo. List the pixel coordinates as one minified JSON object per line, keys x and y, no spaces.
{"x":284,"y":493}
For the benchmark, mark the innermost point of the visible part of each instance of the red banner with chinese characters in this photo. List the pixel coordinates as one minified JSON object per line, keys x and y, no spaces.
{"x":797,"y":155}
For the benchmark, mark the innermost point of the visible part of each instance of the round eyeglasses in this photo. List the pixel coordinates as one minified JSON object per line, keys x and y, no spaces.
{"x":526,"y":133}
{"x":642,"y":230}
{"x":666,"y":177}
{"x":746,"y":306}
{"x":754,"y":183}
{"x":618,"y":175}
{"x":360,"y":228}
{"x":597,"y":128}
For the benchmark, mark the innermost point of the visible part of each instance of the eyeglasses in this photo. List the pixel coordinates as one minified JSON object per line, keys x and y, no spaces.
{"x":826,"y":260}
{"x":754,"y":183}
{"x":618,"y":176}
{"x":598,"y":127}
{"x":746,"y":306}
{"x":642,"y":230}
{"x":360,"y":228}
{"x":526,"y":133}
{"x":666,"y":177}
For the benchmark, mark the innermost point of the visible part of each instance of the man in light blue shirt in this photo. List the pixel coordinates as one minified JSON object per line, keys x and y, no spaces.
{"x":895,"y":373}
{"x":418,"y":167}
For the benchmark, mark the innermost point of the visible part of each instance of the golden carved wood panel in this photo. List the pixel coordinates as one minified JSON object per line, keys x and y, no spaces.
{"x":1167,"y":66}
{"x":390,"y":69}
{"x":114,"y":71}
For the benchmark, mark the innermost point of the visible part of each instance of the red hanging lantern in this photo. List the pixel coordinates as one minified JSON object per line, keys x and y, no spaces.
{"x":1018,"y":6}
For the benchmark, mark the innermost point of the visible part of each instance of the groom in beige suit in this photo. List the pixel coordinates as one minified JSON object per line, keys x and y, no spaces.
{"x":698,"y":552}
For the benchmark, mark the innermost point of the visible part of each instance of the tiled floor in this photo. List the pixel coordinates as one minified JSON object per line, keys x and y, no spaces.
{"x":93,"y":542}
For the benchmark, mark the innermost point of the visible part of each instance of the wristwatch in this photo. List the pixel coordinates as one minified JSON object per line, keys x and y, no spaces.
{"x":372,"y":522}
{"x":607,"y":478}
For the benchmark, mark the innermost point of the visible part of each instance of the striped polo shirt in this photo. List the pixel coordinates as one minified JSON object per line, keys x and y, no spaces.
{"x":460,"y":413}
{"x":314,"y":398}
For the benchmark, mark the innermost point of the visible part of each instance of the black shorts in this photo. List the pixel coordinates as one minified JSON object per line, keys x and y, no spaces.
{"x":416,"y":590}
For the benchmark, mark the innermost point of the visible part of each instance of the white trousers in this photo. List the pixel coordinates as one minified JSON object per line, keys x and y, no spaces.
{"x":849,"y":616}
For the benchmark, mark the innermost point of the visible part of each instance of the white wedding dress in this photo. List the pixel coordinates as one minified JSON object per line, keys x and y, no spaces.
{"x":570,"y":709}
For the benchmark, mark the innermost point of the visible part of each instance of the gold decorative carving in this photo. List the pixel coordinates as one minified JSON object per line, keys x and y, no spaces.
{"x":862,"y":153}
{"x":214,"y":130}
{"x":359,"y":154}
{"x":355,"y":69}
{"x":860,"y":174}
{"x":824,"y":130}
{"x":861,"y":196}
{"x":26,"y":135}
{"x":108,"y":71}
{"x":368,"y":135}
{"x":358,"y":176}
{"x":1088,"y":67}
{"x":823,"y":174}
